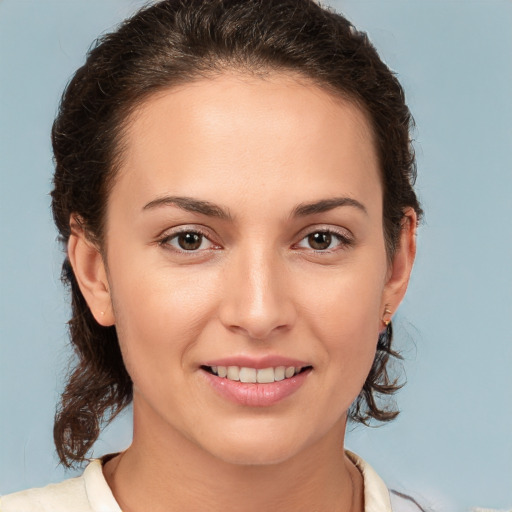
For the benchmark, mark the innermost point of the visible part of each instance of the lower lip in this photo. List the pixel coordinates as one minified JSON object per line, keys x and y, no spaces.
{"x":256,"y":394}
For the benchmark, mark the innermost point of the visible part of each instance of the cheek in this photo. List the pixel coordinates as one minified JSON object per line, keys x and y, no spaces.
{"x":347,"y":299}
{"x":344,"y":313}
{"x":159,"y":314}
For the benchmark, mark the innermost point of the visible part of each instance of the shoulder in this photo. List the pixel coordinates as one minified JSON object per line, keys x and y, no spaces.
{"x":65,"y":496}
{"x":87,"y":493}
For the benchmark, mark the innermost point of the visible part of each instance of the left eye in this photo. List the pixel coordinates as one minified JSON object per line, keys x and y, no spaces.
{"x":188,"y":241}
{"x":322,"y":240}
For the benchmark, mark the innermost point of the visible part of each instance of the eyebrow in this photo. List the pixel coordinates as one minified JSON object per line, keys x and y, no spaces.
{"x":324,"y":205}
{"x":189,"y":204}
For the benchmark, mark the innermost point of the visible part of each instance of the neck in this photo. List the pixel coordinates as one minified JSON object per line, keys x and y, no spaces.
{"x":164,"y":471}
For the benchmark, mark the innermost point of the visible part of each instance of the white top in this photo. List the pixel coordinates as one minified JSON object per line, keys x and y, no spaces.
{"x":91,"y":493}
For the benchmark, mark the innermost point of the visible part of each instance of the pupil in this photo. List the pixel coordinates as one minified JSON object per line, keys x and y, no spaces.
{"x":190,"y":241}
{"x":320,"y":241}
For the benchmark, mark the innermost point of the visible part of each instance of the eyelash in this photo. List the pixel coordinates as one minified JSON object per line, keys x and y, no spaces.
{"x":344,"y":241}
{"x":165,"y":240}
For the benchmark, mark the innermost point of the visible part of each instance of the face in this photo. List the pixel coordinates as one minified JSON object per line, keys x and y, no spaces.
{"x":244,"y":236}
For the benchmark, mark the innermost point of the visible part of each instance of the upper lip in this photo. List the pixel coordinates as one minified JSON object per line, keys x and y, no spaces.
{"x":270,"y":361}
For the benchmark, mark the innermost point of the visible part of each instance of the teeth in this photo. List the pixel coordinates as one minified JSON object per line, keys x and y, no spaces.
{"x":248,"y":374}
{"x":233,"y":373}
{"x":265,"y":375}
{"x":252,"y":375}
{"x":279,"y":373}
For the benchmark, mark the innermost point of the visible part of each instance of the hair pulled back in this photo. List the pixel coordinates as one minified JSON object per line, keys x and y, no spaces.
{"x":174,"y":42}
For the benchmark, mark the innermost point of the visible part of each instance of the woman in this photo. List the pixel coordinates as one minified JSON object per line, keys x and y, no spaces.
{"x":234,"y":187}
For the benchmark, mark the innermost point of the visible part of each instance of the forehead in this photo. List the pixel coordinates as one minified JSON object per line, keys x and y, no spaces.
{"x":256,"y":135}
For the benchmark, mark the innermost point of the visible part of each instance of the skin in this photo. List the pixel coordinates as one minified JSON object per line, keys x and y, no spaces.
{"x":257,"y":149}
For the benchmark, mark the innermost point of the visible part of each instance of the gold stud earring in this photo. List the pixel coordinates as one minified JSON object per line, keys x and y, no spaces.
{"x":387,"y":311}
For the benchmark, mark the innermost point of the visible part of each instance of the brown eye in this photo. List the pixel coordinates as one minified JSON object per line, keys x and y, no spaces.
{"x":189,"y":241}
{"x":320,"y":240}
{"x":325,"y":241}
{"x":193,"y":242}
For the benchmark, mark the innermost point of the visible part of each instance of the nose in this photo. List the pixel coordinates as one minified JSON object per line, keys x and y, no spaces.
{"x":257,"y":300}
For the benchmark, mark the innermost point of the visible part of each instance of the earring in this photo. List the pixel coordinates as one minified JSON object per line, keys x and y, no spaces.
{"x":386,"y":321}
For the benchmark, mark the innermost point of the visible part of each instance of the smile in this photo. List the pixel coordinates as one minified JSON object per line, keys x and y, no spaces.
{"x":255,"y":375}
{"x":263,"y":386}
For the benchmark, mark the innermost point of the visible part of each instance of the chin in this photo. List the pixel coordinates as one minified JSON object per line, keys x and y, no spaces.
{"x":256,"y":449}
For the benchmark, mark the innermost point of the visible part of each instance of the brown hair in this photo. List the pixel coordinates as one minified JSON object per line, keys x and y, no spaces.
{"x":178,"y":41}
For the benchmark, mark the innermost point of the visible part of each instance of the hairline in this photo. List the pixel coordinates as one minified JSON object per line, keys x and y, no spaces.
{"x":220,"y":68}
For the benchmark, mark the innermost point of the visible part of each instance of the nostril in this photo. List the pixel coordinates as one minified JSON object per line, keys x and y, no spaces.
{"x":257,"y":330}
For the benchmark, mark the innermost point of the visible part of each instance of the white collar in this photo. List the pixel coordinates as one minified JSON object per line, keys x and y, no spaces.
{"x":376,"y":494}
{"x":98,"y":492}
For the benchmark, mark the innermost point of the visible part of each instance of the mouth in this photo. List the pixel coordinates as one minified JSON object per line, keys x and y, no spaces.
{"x":249,"y":375}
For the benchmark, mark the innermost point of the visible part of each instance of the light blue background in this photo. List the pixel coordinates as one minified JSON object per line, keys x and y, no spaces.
{"x":452,"y":444}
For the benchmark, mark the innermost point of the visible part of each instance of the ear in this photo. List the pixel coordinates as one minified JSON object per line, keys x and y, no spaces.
{"x":401,"y":266}
{"x":90,"y":272}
